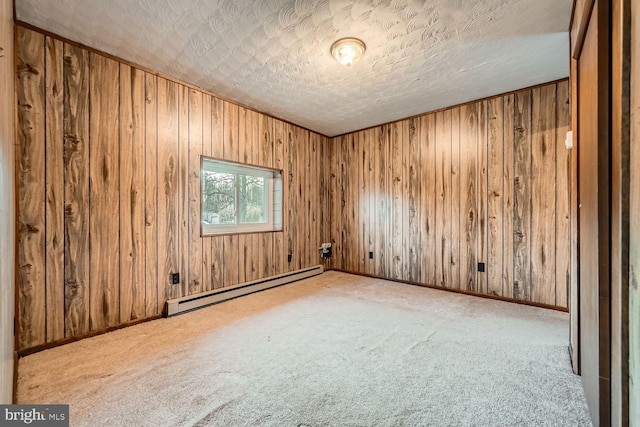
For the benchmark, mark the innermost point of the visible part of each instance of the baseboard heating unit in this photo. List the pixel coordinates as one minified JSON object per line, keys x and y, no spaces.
{"x":193,"y":302}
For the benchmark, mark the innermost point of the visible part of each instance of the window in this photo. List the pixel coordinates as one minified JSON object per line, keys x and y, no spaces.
{"x":238,"y":198}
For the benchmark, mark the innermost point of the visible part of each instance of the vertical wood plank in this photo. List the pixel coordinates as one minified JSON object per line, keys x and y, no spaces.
{"x":245,"y":149}
{"x":443,"y":198}
{"x":428,"y":198}
{"x":217,"y":151}
{"x":397,"y":215}
{"x":353,"y":235}
{"x":414,"y":241}
{"x":522,"y":197}
{"x":256,"y":251}
{"x":30,"y":192}
{"x":76,"y":190}
{"x":265,"y":240}
{"x":231,"y":260}
{"x":54,"y":170}
{"x":291,"y":195}
{"x":313,"y":189}
{"x":131,"y":191}
{"x":495,"y":170}
{"x":104,"y":227}
{"x":370,"y":178}
{"x":168,"y":260}
{"x":563,"y":197}
{"x":405,"y":249}
{"x":151,"y":195}
{"x":207,"y":256}
{"x":195,"y":149}
{"x":344,"y":229}
{"x":332,"y":189}
{"x":543,"y":161}
{"x":455,"y":198}
{"x":301,"y":138}
{"x":231,"y":151}
{"x":324,"y":162}
{"x":279,"y":249}
{"x":183,"y":188}
{"x":319,"y":164}
{"x":468,"y":196}
{"x":364,"y":220}
{"x":337,"y":194}
{"x":481,"y":169}
{"x":508,"y":182}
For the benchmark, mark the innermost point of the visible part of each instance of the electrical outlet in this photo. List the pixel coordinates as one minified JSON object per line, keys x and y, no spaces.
{"x":370,"y":254}
{"x":481,"y":267}
{"x":175,"y":278}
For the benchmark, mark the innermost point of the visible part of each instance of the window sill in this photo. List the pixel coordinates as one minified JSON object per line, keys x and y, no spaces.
{"x":232,"y":233}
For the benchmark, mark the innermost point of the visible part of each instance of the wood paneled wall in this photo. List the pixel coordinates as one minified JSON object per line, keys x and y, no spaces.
{"x":109,"y":191}
{"x":432,"y":196}
{"x":7,"y":201}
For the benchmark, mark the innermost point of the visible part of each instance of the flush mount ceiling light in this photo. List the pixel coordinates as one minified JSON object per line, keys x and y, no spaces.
{"x":348,"y":50}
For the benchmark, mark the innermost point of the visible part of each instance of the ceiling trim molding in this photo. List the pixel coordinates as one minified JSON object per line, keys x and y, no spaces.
{"x":154,"y":72}
{"x":486,"y":98}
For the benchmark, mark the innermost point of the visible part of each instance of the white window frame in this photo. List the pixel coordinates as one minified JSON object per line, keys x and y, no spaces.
{"x":273,"y":190}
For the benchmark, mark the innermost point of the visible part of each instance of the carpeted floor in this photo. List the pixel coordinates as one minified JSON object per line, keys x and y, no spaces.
{"x":334,"y":350}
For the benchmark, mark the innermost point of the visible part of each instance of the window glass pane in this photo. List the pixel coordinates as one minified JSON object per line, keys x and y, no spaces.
{"x":239,"y":198}
{"x":253,"y":199}
{"x":218,"y":198}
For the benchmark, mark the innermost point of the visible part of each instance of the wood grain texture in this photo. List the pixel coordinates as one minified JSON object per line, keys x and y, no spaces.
{"x":279,"y":248}
{"x":469,"y":212}
{"x":76,"y":190}
{"x":168,"y":261}
{"x":563,"y":198}
{"x":195,"y":282}
{"x":543,"y":180}
{"x":231,"y":151}
{"x":8,"y":144}
{"x":482,"y":196}
{"x":495,"y":193}
{"x":291,"y":156}
{"x":245,"y":150}
{"x":132,"y":194}
{"x":264,"y":150}
{"x":207,"y":140}
{"x":595,"y":208}
{"x":30,"y":189}
{"x":396,"y":243}
{"x":383,"y":202}
{"x":109,"y":191}
{"x":184,"y":124}
{"x":54,"y":167}
{"x":217,"y":150}
{"x":634,"y":225}
{"x":574,"y":300}
{"x":522,"y":197}
{"x":428,"y":198}
{"x":443,"y":199}
{"x":460,"y":179}
{"x":152,"y":303}
{"x":455,"y":199}
{"x":104,"y":187}
{"x":508,"y":184}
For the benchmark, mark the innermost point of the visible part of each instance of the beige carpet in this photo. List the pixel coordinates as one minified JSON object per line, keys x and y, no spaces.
{"x":334,"y":350}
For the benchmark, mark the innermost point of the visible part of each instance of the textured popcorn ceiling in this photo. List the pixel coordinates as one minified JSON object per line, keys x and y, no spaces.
{"x":273,"y":55}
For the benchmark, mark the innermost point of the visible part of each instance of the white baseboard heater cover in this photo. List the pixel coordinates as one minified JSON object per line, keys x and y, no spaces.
{"x":193,"y":302}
